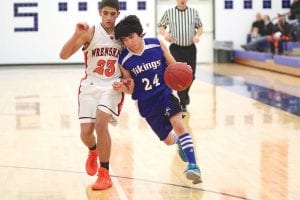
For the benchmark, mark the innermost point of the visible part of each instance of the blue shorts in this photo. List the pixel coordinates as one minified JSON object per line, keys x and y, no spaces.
{"x":158,"y":110}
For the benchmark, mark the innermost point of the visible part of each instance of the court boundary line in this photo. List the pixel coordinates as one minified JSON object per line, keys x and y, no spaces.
{"x":131,"y":178}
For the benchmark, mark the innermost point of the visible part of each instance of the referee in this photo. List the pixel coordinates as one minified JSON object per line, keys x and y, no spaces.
{"x":185,"y":28}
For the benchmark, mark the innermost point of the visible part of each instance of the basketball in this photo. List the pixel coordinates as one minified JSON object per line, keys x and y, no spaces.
{"x":178,"y":76}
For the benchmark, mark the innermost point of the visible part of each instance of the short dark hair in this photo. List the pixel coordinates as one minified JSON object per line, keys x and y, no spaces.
{"x":128,"y":25}
{"x":110,"y":3}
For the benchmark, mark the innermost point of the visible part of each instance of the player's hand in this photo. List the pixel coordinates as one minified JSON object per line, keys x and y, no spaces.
{"x":81,"y":28}
{"x":182,"y":62}
{"x":126,"y":85}
{"x":129,"y":83}
{"x":117,"y":86}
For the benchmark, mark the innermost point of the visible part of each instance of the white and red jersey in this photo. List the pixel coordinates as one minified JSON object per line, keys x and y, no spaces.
{"x":101,"y":57}
{"x":102,"y":70}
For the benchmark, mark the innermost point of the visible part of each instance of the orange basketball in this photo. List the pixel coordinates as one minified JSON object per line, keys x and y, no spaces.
{"x":178,"y":76}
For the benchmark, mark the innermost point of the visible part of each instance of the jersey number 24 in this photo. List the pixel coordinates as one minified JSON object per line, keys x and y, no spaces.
{"x":149,"y":85}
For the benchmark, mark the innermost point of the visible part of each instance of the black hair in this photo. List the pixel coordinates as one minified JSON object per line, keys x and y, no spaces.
{"x":110,"y":3}
{"x":127,"y":26}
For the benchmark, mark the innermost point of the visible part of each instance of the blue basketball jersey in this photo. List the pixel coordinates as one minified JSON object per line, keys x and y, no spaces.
{"x":147,"y":69}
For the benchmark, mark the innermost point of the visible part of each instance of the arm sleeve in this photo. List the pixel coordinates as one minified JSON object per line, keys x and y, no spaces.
{"x":198,"y":22}
{"x":164,"y":21}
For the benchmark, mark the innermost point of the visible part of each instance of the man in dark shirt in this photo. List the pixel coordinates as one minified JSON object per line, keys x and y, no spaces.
{"x":266,"y":33}
{"x":282,"y":29}
{"x":258,"y":23}
{"x":295,"y":14}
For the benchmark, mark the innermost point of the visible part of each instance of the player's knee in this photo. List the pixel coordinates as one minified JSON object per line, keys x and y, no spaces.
{"x":179,"y":128}
{"x":86,"y":134}
{"x":101,"y":127}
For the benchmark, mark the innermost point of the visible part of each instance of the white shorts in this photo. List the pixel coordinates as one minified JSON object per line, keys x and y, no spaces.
{"x":95,"y":96}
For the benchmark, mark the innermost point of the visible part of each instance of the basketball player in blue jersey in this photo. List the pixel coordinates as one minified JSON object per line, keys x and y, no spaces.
{"x":143,"y":64}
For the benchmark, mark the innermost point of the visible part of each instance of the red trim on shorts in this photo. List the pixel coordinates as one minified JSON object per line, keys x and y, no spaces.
{"x":85,"y":54}
{"x":120,"y":105}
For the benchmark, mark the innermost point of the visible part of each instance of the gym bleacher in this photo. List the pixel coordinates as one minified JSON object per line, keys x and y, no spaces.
{"x":289,"y":63}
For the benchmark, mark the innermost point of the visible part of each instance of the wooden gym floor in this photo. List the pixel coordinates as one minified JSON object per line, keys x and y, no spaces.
{"x":244,"y":121}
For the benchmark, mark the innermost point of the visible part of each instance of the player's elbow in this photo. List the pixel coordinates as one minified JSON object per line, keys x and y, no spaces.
{"x":63,"y":56}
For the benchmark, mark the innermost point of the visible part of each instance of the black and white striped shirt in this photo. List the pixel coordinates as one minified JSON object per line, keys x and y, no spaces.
{"x":183,"y":24}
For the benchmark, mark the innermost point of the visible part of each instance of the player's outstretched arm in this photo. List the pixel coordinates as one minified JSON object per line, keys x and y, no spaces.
{"x":81,"y":36}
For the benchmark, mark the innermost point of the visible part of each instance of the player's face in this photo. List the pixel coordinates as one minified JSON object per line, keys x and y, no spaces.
{"x":109,"y":16}
{"x":133,"y":42}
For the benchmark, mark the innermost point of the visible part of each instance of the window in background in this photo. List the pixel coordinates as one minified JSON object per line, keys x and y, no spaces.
{"x":228,"y":4}
{"x":267,"y":4}
{"x":122,"y":5}
{"x":62,"y":6}
{"x":82,"y":6}
{"x":247,"y":4}
{"x":141,"y":5}
{"x":286,"y":4}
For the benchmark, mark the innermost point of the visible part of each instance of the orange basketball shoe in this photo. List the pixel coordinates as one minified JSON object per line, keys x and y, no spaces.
{"x":104,"y":181}
{"x":91,"y":165}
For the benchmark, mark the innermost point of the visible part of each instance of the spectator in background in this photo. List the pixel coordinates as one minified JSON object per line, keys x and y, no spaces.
{"x":259,"y":42}
{"x":254,"y":35}
{"x":295,"y":14}
{"x":258,"y":23}
{"x":282,"y":33}
{"x":268,"y":27}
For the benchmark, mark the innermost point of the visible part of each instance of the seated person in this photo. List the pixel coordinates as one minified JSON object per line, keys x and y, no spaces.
{"x":294,"y":14}
{"x":282,"y":30}
{"x":258,"y":43}
{"x":258,"y":24}
{"x":254,"y":35}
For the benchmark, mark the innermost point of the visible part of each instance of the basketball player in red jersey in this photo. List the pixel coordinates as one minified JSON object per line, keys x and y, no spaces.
{"x":98,"y":103}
